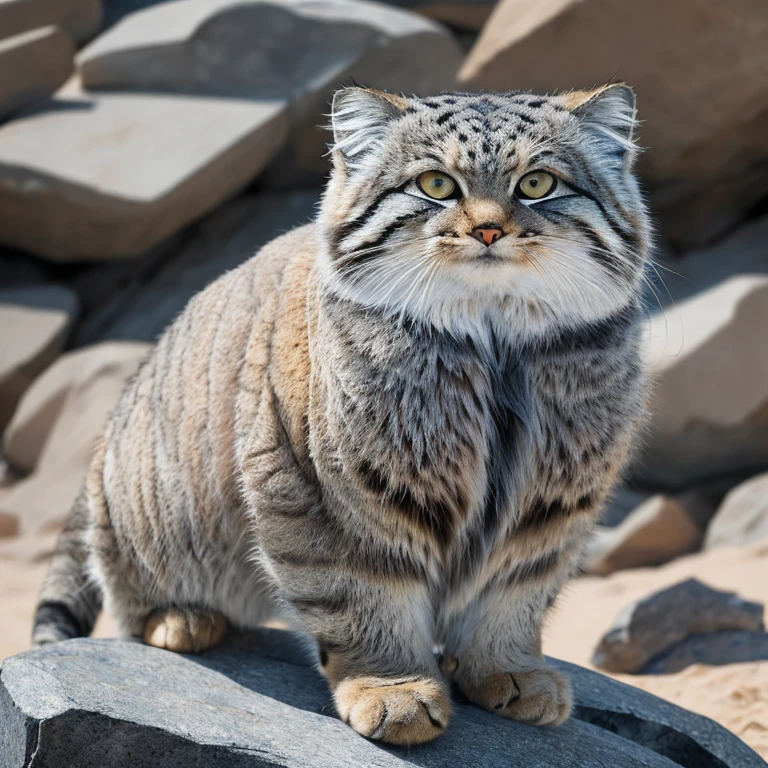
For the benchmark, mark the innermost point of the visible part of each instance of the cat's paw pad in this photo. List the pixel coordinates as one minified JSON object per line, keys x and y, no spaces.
{"x":538,"y":697}
{"x":395,"y":710}
{"x":184,"y":631}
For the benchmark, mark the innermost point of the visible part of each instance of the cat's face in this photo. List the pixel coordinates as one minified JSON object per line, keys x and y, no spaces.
{"x":517,"y":208}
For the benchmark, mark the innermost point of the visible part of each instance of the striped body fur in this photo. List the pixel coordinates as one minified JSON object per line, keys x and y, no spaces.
{"x":383,"y":427}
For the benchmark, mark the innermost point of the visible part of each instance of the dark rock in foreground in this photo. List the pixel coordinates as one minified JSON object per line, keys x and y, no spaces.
{"x":257,"y":701}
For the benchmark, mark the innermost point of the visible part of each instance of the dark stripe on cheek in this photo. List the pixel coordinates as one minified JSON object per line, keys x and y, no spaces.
{"x":369,"y":249}
{"x":345,"y":230}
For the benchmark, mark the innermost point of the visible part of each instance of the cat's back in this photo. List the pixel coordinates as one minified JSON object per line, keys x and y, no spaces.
{"x":174,"y":437}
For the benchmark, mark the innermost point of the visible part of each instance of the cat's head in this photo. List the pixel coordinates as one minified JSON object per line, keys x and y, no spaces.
{"x":518,"y":208}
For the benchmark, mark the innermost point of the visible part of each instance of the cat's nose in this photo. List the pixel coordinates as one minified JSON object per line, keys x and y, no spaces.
{"x":487,"y":233}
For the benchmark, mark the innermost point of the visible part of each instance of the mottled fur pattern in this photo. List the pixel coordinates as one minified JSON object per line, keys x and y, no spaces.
{"x":391,"y":432}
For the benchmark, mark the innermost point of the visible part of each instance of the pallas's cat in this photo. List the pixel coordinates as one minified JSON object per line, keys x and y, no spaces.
{"x":394,"y":426}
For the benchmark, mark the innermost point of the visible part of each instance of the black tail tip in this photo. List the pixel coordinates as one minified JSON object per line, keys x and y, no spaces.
{"x":55,"y":622}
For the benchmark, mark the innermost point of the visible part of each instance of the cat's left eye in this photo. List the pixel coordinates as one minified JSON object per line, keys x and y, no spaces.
{"x":536,"y":185}
{"x":438,"y":186}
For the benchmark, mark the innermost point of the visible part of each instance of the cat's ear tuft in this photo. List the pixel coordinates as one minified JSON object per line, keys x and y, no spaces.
{"x":609,"y":111}
{"x":360,"y":118}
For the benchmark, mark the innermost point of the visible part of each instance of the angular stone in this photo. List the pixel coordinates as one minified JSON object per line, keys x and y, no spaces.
{"x":622,"y":502}
{"x":705,"y":165}
{"x":296,"y":50}
{"x":652,"y":625}
{"x":656,"y":532}
{"x":709,"y":412}
{"x":257,"y":702}
{"x":715,"y":649}
{"x":743,"y":252}
{"x":144,"y":296}
{"x":70,"y":186}
{"x":81,"y":19}
{"x":35,"y":323}
{"x":32,"y":66}
{"x":469,"y":15}
{"x":742,"y":517}
{"x":59,"y":420}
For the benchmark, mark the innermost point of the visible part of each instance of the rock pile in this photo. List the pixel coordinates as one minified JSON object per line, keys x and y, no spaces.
{"x":147,"y":147}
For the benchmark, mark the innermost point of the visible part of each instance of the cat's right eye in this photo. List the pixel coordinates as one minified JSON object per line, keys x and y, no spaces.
{"x":438,"y":186}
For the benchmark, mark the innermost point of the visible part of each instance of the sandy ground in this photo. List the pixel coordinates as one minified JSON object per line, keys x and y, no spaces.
{"x":735,"y":695}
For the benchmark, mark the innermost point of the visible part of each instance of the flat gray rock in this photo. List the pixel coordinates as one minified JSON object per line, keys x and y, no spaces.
{"x":32,"y":66}
{"x":650,"y":626}
{"x":81,"y":19}
{"x":266,"y":49}
{"x":256,"y":701}
{"x":296,"y":50}
{"x":100,"y":177}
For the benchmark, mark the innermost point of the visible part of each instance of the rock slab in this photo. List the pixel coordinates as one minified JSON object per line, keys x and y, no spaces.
{"x":298,"y":51}
{"x":257,"y":701}
{"x":709,"y":411}
{"x":56,"y":427}
{"x":656,"y":532}
{"x":81,"y":19}
{"x":69,"y":186}
{"x":742,"y":517}
{"x":32,"y":66}
{"x":650,"y":626}
{"x":35,"y":323}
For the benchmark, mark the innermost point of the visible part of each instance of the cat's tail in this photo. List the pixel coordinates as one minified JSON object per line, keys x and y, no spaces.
{"x":69,"y":601}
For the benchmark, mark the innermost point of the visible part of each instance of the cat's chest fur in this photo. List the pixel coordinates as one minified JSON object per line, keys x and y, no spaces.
{"x":456,"y":437}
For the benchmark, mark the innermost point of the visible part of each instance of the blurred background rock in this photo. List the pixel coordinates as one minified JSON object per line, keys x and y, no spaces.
{"x":145,"y":148}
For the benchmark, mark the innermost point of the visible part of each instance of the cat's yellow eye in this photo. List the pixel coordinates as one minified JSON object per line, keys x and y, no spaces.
{"x":437,"y":185}
{"x":534,"y":186}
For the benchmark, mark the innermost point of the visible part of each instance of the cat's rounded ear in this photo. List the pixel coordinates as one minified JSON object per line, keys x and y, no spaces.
{"x":609,"y":111}
{"x":359,"y":120}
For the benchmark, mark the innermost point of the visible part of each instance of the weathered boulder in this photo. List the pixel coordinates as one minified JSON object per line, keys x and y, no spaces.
{"x":298,"y":51}
{"x":35,"y":323}
{"x":69,"y":186}
{"x":467,"y":15}
{"x":56,"y":427}
{"x":32,"y":66}
{"x":257,"y":702}
{"x":656,"y":532}
{"x":147,"y":296}
{"x":742,"y":517}
{"x":266,"y":49}
{"x":81,"y":19}
{"x":715,"y":649}
{"x":709,"y":411}
{"x":743,"y":252}
{"x":621,"y":503}
{"x":650,"y":626}
{"x":706,"y":126}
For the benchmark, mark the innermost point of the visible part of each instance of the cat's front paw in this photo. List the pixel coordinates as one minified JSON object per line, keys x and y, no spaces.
{"x":537,"y":697}
{"x":407,"y":710}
